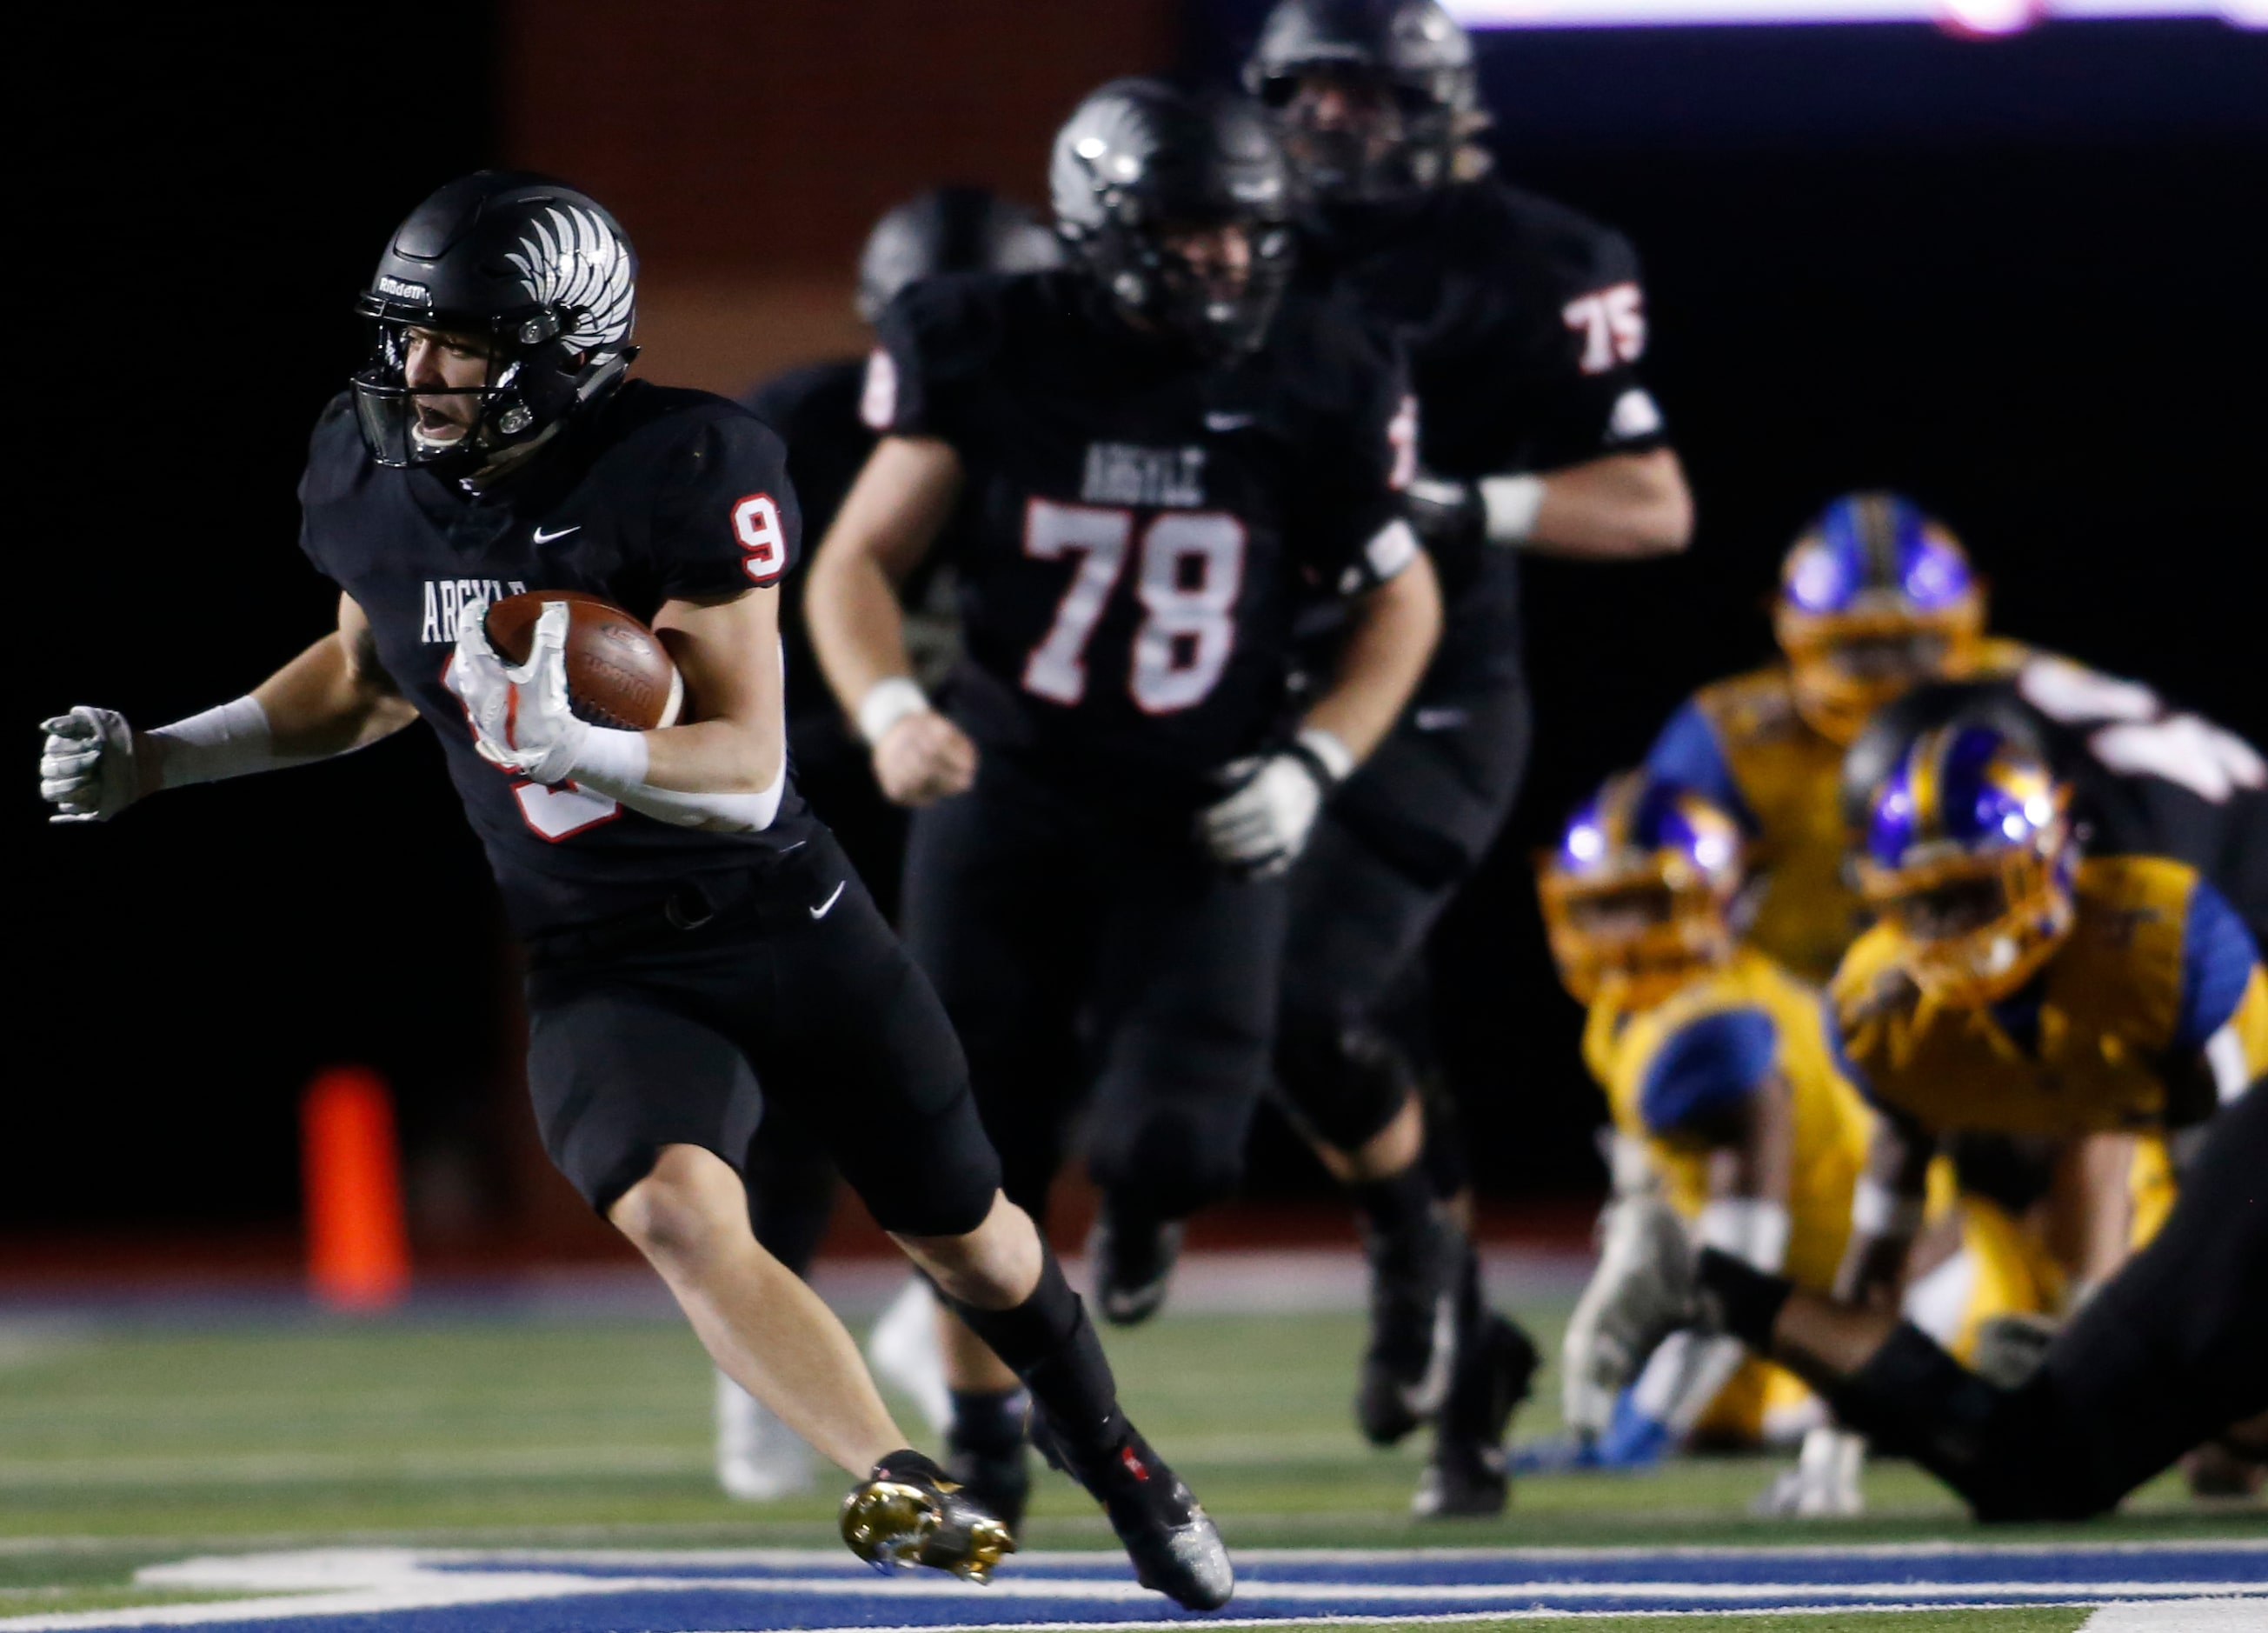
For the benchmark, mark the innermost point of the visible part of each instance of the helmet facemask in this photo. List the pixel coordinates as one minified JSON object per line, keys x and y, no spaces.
{"x":1358,"y":136}
{"x":1845,"y":665}
{"x":530,"y":379}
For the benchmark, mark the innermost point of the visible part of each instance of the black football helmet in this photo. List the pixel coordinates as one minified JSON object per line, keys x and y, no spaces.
{"x":949,"y":229}
{"x":540,"y":273}
{"x":1410,"y":56}
{"x":1139,"y":161}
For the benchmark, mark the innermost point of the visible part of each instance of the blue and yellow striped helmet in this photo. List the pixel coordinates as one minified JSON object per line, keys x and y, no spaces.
{"x":1969,"y":851}
{"x":1640,"y":887}
{"x":1875,"y":597}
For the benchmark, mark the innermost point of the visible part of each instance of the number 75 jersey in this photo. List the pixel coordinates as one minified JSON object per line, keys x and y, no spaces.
{"x":1137,"y":523}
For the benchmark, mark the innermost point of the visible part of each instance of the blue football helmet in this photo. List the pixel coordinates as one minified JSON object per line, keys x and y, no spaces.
{"x":1639,"y":889}
{"x":1875,"y":598}
{"x":1970,"y":852}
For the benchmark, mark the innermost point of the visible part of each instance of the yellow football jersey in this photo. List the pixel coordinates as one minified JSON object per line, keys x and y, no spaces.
{"x":1742,"y":743}
{"x":2156,"y":973}
{"x":1712,"y":1039}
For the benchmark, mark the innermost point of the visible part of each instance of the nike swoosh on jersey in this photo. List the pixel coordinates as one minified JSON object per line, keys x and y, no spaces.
{"x":1439,"y":719}
{"x":827,"y":906}
{"x":542,"y":537}
{"x":1227,"y":422}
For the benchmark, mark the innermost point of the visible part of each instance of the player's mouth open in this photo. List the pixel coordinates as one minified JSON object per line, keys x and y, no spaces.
{"x":436,"y":426}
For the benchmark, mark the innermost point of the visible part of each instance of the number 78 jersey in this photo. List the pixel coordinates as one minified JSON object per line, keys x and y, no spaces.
{"x":1137,"y":524}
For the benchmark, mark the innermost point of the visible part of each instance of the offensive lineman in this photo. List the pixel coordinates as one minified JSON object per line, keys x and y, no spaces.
{"x":691,"y":930}
{"x":1524,"y":323}
{"x":1153,"y":458}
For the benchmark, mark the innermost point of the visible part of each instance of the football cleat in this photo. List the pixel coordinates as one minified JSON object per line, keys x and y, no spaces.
{"x":1825,"y":1481}
{"x":1467,"y":1474}
{"x":1406,"y":1370}
{"x":906,"y":1513}
{"x":1642,"y":1291}
{"x":1171,"y":1540}
{"x":1132,"y":1264}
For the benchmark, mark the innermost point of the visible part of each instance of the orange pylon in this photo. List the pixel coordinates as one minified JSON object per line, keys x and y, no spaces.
{"x":357,"y":1246}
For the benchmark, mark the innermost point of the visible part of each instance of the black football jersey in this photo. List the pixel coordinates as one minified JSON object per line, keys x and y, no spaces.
{"x":653,"y":495}
{"x":1523,"y":322}
{"x":2146,"y":780}
{"x":815,"y":411}
{"x":1136,"y":525}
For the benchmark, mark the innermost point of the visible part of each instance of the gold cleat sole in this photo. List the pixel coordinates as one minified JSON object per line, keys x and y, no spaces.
{"x":895,"y":1526}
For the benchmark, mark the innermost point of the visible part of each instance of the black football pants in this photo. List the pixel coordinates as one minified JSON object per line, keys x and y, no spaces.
{"x":2172,"y":1351}
{"x":1388,"y":856}
{"x":1083,"y":941}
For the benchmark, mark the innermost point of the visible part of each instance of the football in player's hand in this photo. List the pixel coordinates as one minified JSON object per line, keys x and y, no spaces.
{"x":618,"y":673}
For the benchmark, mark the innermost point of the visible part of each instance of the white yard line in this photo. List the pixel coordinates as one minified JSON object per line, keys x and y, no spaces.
{"x":2198,"y":1615}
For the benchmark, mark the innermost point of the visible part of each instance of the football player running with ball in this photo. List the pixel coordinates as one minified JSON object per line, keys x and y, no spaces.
{"x":1151,"y":457}
{"x":1524,"y":324}
{"x":696,"y":943}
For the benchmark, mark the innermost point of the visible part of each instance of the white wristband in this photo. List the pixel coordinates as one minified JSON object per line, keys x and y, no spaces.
{"x":1877,"y":1210}
{"x":1337,"y":758}
{"x":1510,"y":504}
{"x":887,"y":702}
{"x":230,"y":741}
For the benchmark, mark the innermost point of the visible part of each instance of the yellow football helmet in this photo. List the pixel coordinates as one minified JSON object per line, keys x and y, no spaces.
{"x":1969,"y":851}
{"x":1639,"y":889}
{"x":1875,"y":598}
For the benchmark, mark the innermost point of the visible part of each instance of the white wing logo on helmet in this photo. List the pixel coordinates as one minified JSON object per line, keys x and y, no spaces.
{"x":574,"y":263}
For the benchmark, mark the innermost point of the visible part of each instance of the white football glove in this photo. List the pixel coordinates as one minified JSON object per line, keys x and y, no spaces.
{"x":520,"y":713}
{"x":87,"y":768}
{"x":1642,"y":1290}
{"x":1261,"y":827}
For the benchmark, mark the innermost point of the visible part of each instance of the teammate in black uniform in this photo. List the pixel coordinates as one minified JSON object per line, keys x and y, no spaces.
{"x":1524,"y":324}
{"x":1151,"y":457}
{"x":815,"y":410}
{"x":696,"y":941}
{"x":2171,"y":1354}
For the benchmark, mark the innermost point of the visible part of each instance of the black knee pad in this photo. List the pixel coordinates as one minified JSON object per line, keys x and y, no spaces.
{"x":1345,"y":1080}
{"x":2007,"y":1452}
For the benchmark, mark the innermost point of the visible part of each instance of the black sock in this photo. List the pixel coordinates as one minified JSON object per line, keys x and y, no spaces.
{"x":1398,"y":1206}
{"x":988,"y":1422}
{"x":1048,"y":1341}
{"x":1747,"y":1300}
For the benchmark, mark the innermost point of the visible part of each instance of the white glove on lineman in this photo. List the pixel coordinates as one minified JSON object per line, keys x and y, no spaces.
{"x":86,"y":766}
{"x":521,"y":719}
{"x":1641,"y":1290}
{"x":1259,"y":829}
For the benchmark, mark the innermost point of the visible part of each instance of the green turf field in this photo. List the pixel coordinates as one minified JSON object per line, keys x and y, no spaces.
{"x":123,"y":1445}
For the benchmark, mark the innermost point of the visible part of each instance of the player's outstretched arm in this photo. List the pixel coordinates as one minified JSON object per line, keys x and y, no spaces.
{"x":1621,"y":507}
{"x":332,"y":698}
{"x":1886,"y":1213}
{"x":892,"y":515}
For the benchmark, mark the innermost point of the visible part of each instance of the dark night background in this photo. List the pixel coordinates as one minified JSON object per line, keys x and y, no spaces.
{"x":2018,"y":279}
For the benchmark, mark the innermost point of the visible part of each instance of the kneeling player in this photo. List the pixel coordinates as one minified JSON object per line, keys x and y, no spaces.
{"x":1152,"y":463}
{"x":696,"y":941}
{"x":2015,"y":986}
{"x":1734,"y":1123}
{"x":2171,"y":1354}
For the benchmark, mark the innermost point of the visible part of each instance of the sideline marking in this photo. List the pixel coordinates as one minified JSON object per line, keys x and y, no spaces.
{"x":771,"y":1589}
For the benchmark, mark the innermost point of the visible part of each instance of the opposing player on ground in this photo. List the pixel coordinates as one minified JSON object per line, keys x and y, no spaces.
{"x":2015,"y":985}
{"x":2171,"y":1354}
{"x":1155,"y":457}
{"x":1525,"y":323}
{"x":696,"y":943}
{"x":1736,"y":1127}
{"x":815,"y":410}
